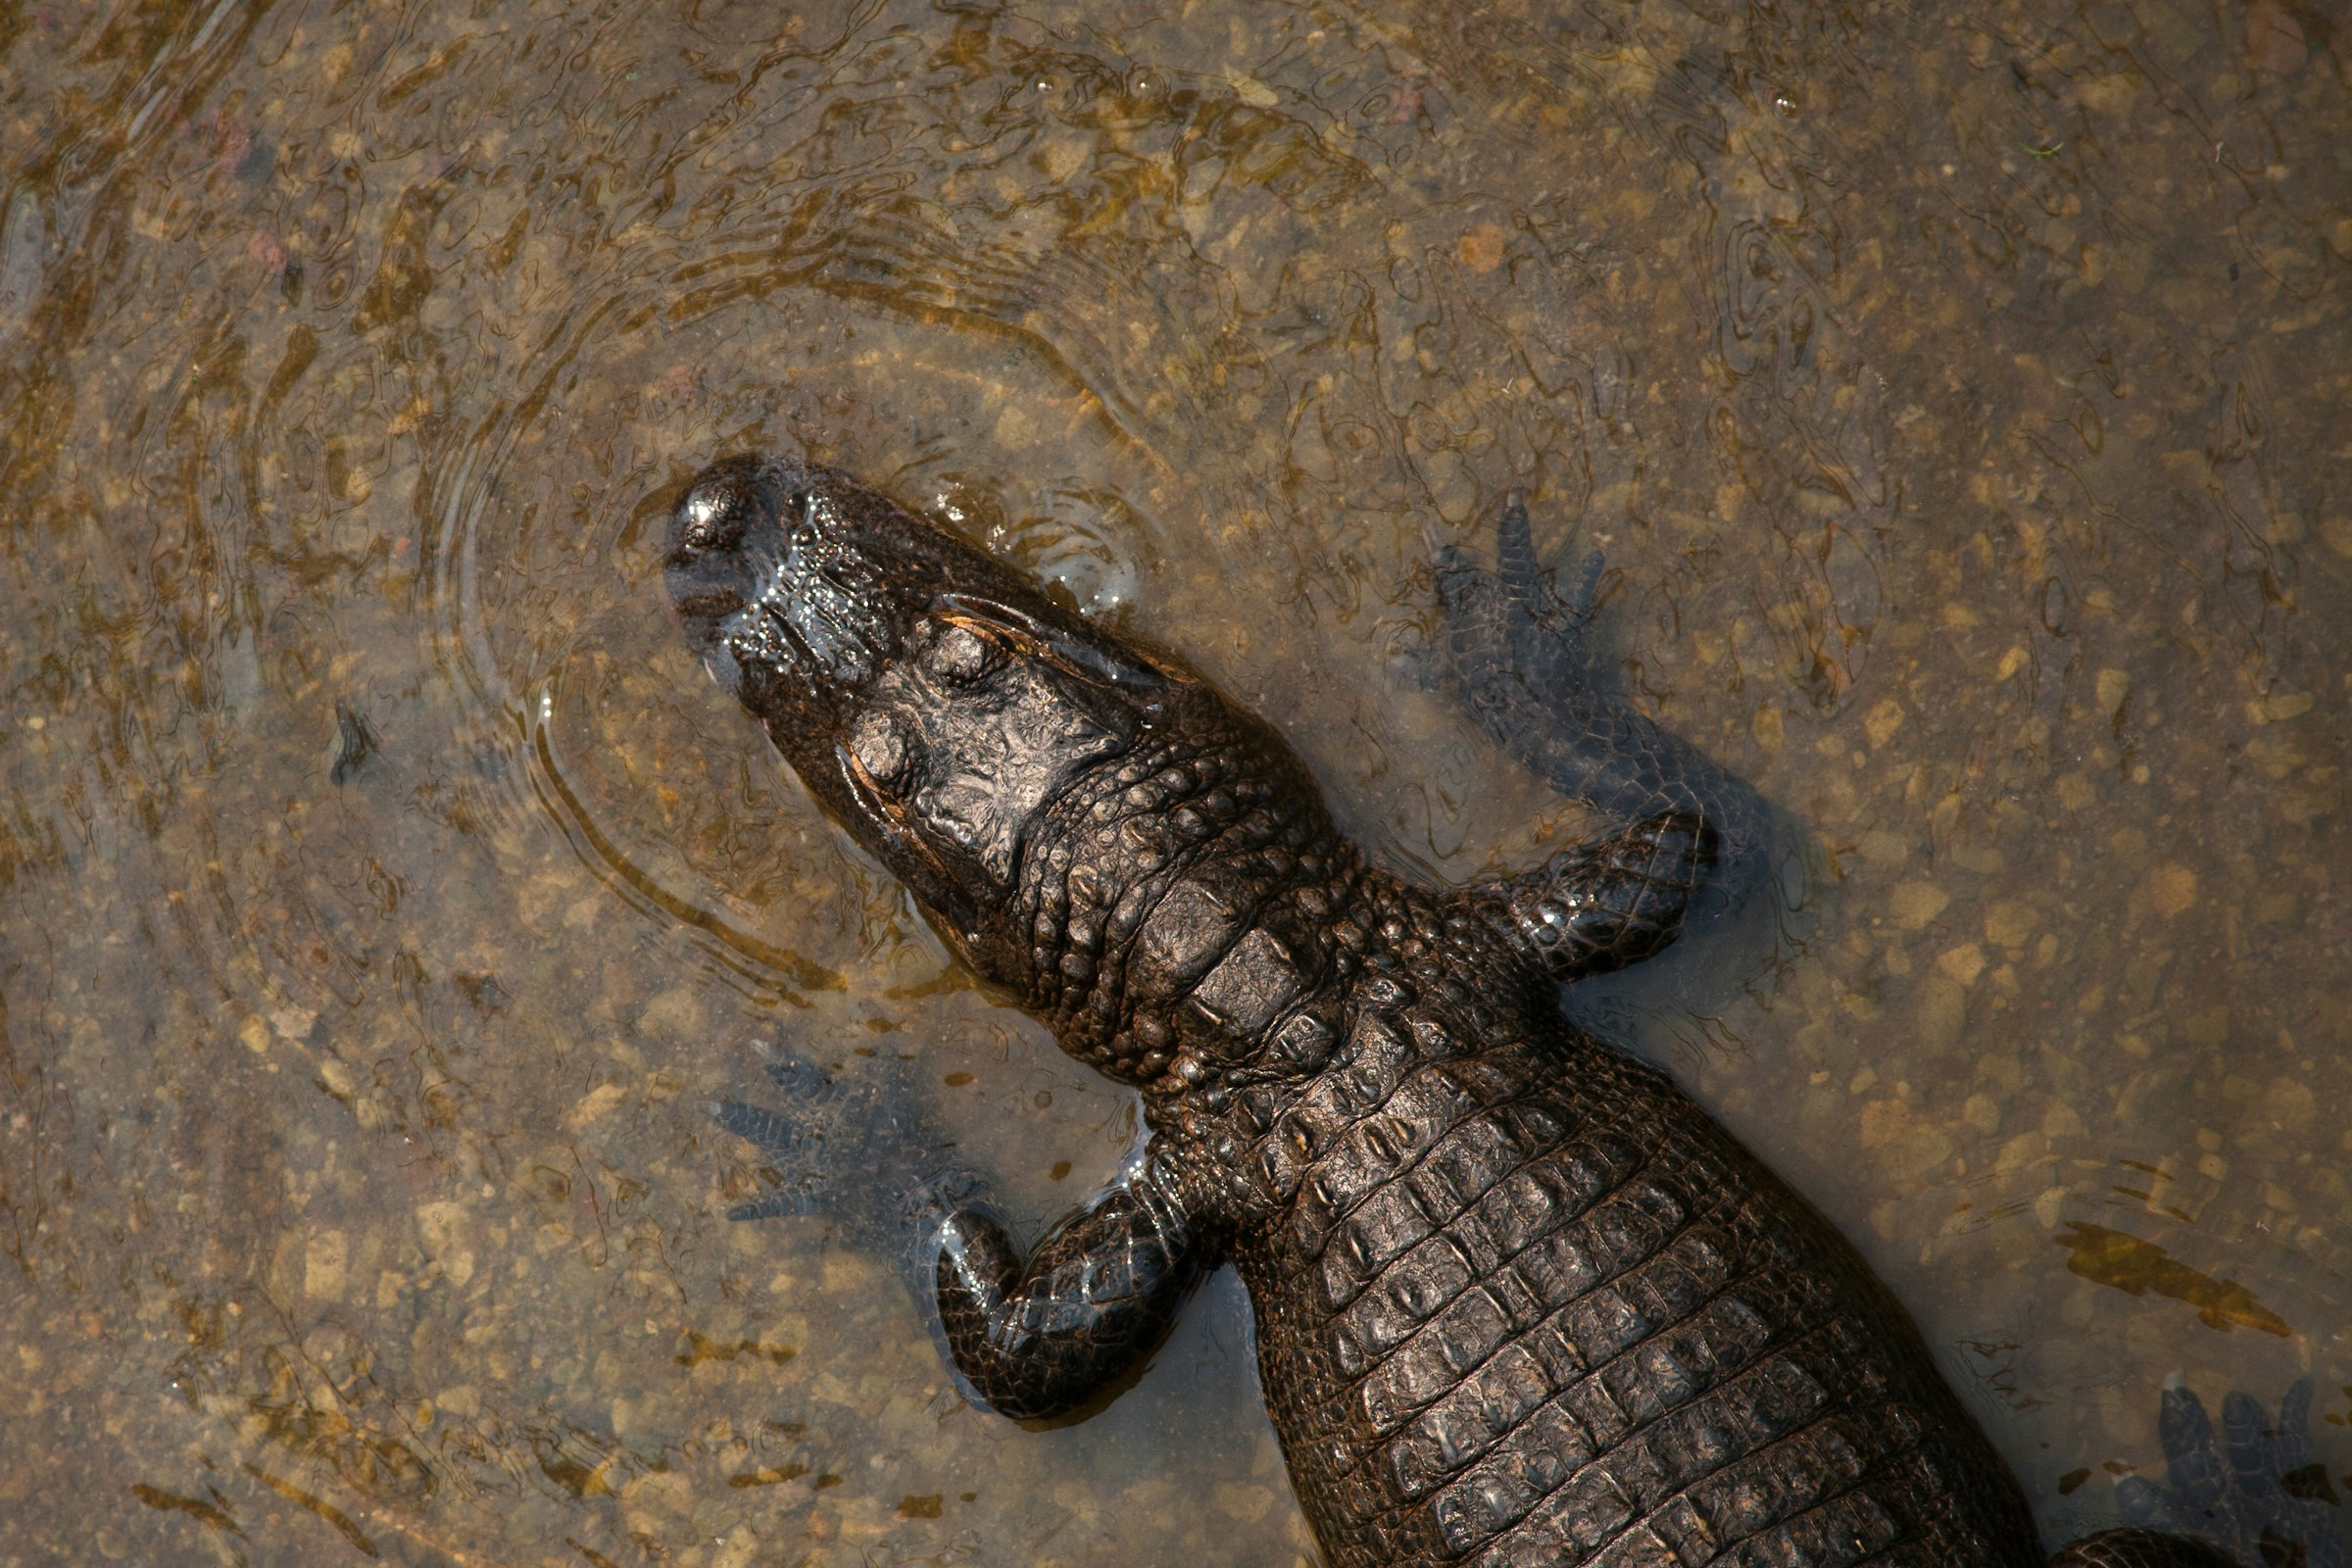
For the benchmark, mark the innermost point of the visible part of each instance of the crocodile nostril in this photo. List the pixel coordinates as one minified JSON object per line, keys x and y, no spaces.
{"x":878,"y":741}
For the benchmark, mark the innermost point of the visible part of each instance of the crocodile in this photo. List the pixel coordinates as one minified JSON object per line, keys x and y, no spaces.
{"x":1517,"y":1299}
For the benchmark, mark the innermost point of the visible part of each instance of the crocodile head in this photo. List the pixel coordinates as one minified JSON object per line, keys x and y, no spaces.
{"x":936,"y":703}
{"x":1090,"y":825}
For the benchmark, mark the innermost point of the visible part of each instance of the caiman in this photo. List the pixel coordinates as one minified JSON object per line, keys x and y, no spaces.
{"x":1517,"y":1298}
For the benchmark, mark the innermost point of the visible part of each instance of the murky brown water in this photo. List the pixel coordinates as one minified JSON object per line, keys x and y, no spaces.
{"x":1965,"y":410}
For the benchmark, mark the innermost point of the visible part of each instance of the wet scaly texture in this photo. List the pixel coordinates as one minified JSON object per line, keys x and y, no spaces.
{"x":1960,"y":406}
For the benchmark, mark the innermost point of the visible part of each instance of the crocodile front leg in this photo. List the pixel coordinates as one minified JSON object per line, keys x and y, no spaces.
{"x":1608,"y":904}
{"x":1039,"y":1338}
{"x":1032,"y":1338}
{"x":1517,"y":648}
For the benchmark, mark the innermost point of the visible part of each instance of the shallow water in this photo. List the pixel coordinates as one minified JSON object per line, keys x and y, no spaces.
{"x":1963,"y":410}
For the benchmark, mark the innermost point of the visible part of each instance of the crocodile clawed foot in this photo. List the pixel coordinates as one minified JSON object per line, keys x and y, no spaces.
{"x":823,"y":1148}
{"x":1512,"y":624}
{"x":2252,"y":1487}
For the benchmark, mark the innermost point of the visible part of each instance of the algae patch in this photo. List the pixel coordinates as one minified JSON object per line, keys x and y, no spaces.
{"x":2129,"y":1263}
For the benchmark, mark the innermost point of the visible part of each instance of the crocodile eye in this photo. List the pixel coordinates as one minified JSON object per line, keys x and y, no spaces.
{"x":960,"y":656}
{"x":712,"y":516}
{"x":878,"y":743}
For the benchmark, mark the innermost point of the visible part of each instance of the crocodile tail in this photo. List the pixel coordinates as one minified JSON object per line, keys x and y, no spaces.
{"x":2142,"y":1548}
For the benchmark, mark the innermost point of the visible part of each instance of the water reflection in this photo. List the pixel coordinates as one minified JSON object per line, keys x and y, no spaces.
{"x":1953,"y":403}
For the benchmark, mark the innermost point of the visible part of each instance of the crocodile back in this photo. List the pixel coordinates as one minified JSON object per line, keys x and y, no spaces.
{"x":1520,"y":1301}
